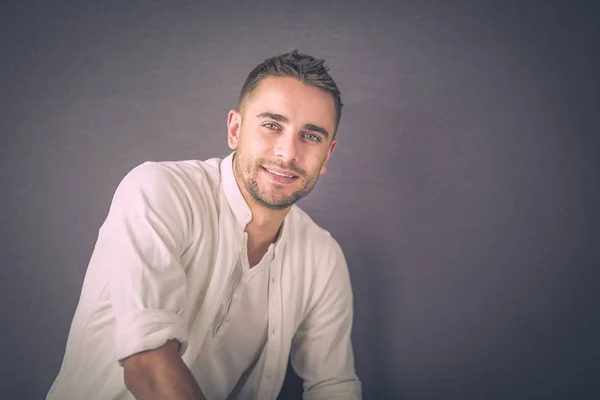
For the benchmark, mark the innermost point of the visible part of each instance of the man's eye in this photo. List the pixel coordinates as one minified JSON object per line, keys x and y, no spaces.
{"x":269,"y":125}
{"x":312,"y":137}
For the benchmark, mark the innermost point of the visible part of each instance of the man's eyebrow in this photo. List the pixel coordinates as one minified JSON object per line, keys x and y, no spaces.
{"x":315,"y":128}
{"x":276,"y":117}
{"x":282,"y":118}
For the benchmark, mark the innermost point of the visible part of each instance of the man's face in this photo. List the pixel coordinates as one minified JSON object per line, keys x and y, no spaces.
{"x":283,"y":140}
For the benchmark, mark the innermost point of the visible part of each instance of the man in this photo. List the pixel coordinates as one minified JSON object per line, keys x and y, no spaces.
{"x":206,"y":277}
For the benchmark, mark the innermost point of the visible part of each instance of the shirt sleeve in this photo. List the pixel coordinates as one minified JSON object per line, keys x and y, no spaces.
{"x":321,"y":352}
{"x":141,"y":243}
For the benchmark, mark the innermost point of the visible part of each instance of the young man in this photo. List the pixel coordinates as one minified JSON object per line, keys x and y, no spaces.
{"x":206,"y":277}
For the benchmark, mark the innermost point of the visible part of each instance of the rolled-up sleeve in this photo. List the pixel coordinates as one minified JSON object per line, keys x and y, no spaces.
{"x":140,"y":243}
{"x":321,"y":351}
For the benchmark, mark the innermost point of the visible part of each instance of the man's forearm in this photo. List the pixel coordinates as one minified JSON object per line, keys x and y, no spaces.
{"x":161,"y":374}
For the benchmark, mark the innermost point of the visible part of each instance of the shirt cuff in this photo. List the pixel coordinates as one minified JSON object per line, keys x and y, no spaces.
{"x":349,"y":390}
{"x":148,"y":329}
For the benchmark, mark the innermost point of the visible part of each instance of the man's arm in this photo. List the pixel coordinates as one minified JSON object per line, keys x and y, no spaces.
{"x":140,"y":244}
{"x":321,"y":352}
{"x":160,"y":374}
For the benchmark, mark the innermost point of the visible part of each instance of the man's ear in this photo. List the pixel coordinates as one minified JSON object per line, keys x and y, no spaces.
{"x":329,"y":153}
{"x":234,"y":124}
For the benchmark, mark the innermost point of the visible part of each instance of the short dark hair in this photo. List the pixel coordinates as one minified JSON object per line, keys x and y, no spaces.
{"x":305,"y":68}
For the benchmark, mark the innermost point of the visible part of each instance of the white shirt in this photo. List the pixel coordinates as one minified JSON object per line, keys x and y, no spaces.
{"x":161,"y":266}
{"x":229,"y":362}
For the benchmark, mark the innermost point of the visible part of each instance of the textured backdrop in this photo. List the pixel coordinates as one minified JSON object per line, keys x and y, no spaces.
{"x":463,"y":190}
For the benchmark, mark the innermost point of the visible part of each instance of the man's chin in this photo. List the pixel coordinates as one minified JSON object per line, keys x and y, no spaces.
{"x":279,"y":204}
{"x":276,"y":204}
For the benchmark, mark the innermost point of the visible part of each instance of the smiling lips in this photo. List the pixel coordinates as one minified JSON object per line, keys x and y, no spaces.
{"x":280,"y":176}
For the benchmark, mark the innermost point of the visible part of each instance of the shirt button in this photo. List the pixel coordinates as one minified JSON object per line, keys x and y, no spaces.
{"x":273,"y":331}
{"x":235,"y":296}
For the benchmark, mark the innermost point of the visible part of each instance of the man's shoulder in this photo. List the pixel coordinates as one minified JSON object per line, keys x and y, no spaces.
{"x":184,"y":173}
{"x":304,"y":230}
{"x":187,"y":181}
{"x":193,"y":170}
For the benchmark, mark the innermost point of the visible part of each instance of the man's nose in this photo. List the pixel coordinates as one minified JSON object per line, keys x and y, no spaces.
{"x":286,"y":147}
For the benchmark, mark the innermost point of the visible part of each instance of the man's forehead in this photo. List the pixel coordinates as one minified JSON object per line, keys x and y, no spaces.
{"x":280,"y":95}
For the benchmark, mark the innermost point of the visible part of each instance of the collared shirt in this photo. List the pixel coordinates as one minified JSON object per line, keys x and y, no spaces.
{"x":161,"y":266}
{"x":229,"y":363}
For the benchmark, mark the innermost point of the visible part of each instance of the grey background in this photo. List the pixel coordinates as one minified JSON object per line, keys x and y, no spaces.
{"x":463,"y":190}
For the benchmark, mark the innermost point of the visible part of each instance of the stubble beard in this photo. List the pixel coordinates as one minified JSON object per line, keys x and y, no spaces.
{"x":247,"y":171}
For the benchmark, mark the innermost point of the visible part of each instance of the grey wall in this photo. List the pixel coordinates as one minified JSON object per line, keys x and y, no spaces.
{"x":464,"y":188}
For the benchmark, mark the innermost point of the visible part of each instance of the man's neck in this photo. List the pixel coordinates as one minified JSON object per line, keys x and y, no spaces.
{"x":262,"y":230}
{"x":265,"y":224}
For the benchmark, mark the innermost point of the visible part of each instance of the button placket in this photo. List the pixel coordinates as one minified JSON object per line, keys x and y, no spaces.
{"x":273,"y":343}
{"x":236,"y":284}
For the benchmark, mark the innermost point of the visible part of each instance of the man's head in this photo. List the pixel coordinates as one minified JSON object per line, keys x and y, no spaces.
{"x":307,"y":69}
{"x":284,"y":129}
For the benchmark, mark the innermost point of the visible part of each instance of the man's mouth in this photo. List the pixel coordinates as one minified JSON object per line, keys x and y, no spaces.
{"x":282,"y":173}
{"x":277,"y":172}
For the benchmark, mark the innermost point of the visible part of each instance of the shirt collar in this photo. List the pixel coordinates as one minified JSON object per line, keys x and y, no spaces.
{"x":237,"y":203}
{"x":234,"y":197}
